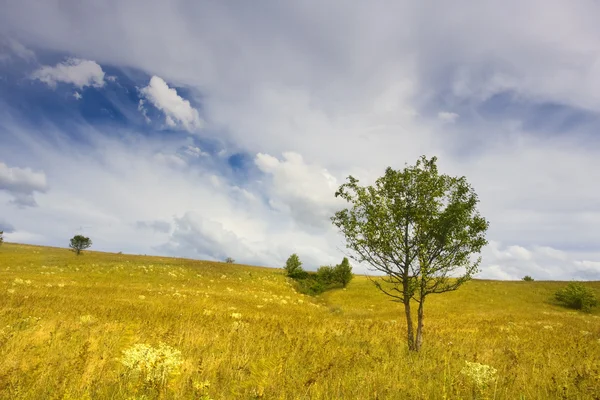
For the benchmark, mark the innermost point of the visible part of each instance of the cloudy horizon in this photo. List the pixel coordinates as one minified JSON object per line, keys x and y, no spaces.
{"x":208,"y":130}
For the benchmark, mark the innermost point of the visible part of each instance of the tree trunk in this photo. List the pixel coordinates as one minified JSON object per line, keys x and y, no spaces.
{"x":419,"y":340}
{"x":409,"y":326}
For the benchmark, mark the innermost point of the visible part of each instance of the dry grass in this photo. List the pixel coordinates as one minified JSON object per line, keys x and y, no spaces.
{"x":242,"y":332}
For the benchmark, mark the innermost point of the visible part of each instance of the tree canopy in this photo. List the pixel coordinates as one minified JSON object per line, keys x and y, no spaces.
{"x":79,"y":243}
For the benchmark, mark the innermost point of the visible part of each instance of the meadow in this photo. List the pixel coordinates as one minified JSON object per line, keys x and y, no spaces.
{"x":69,"y":323}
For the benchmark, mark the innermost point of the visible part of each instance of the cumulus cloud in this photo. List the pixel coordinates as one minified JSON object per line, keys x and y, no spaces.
{"x":305,"y":191}
{"x":178,"y":111}
{"x":22,"y":183}
{"x":75,"y":71}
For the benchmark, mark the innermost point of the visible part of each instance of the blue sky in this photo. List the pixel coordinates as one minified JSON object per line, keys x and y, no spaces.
{"x":210,"y":130}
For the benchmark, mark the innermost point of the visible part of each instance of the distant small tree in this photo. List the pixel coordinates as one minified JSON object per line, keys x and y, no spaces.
{"x":577,"y":296}
{"x":229,"y":260}
{"x":527,"y":278}
{"x":79,"y":243}
{"x":1,"y":237}
{"x":293,"y":266}
{"x":343,"y":272}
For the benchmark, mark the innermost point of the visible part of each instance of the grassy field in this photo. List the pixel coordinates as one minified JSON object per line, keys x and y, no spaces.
{"x":244,"y":333}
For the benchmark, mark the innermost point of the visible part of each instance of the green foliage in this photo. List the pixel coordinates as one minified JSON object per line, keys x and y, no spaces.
{"x":326,"y":274}
{"x":229,"y":260}
{"x":1,"y":237}
{"x":528,"y":278}
{"x":310,"y":285}
{"x":343,"y":272}
{"x":293,"y":267}
{"x":577,"y":296}
{"x":79,"y":243}
{"x":418,"y":227}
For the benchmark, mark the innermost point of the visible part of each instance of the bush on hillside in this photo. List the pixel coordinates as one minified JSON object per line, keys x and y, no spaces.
{"x":229,"y":260}
{"x":343,"y":272}
{"x":293,"y":267}
{"x":326,"y":274}
{"x":528,"y":278}
{"x":577,"y":296}
{"x":310,"y":285}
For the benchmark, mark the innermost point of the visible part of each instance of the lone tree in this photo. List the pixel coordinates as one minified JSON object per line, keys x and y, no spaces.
{"x":79,"y":242}
{"x":1,"y":237}
{"x":420,"y":228}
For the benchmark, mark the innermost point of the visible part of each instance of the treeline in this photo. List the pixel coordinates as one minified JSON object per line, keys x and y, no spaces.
{"x":327,"y":277}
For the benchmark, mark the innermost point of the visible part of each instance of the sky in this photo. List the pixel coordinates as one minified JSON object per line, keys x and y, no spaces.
{"x":222,"y":129}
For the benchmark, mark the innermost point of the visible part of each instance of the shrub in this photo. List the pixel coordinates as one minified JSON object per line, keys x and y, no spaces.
{"x":1,"y":237}
{"x":577,"y":296}
{"x":229,"y":260}
{"x":326,"y":274}
{"x":293,"y":267}
{"x":527,"y":278}
{"x":343,"y":272}
{"x":310,"y":285}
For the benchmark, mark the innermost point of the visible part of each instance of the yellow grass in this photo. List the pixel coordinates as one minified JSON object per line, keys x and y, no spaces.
{"x":243,"y":332}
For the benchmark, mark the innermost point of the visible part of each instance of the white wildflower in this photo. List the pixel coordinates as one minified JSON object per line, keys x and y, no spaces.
{"x":87,"y":319}
{"x":154,"y":365}
{"x":480,"y":374}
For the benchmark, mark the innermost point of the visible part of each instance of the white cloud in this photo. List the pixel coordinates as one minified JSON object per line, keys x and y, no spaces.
{"x":541,"y":263}
{"x":447,"y":116}
{"x":194,"y":151}
{"x":22,"y":183}
{"x":75,"y":71}
{"x":172,"y":160}
{"x":158,"y":226}
{"x":304,"y":191}
{"x":178,"y":111}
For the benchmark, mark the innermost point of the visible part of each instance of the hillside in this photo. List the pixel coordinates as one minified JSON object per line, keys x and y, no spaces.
{"x":243,"y":332}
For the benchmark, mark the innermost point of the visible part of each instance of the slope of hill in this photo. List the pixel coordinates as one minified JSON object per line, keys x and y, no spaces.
{"x":243,"y":332}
